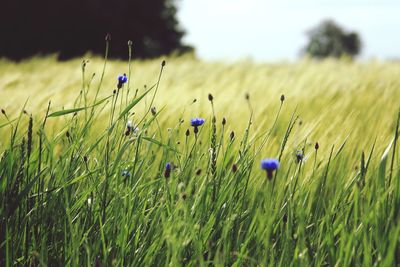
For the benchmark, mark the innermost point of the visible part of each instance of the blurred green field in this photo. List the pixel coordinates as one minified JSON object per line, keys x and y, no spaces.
{"x":66,"y":198}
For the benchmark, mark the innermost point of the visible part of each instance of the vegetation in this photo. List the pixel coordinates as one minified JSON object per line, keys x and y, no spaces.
{"x":329,"y":40}
{"x":82,"y":186}
{"x":73,"y":27}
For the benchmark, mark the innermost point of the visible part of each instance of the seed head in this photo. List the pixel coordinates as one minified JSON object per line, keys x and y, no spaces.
{"x":234,"y":168}
{"x":198,"y":172}
{"x":153,"y":111}
{"x":232,"y":135}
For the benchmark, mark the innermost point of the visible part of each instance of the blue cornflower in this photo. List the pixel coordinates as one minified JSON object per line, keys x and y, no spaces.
{"x":168,"y":166}
{"x":167,"y":172}
{"x":299,"y":155}
{"x":121,"y":80}
{"x":195,"y":122}
{"x":269,"y":165}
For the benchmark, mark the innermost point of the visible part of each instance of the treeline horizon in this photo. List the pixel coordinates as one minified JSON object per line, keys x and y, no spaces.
{"x":72,"y":28}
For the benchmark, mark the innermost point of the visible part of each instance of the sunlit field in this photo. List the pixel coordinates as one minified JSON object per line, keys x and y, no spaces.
{"x":93,"y":175}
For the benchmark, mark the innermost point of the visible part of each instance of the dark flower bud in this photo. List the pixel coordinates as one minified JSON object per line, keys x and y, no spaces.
{"x":247,"y":96}
{"x":194,"y":100}
{"x":210,"y":97}
{"x":163,"y":63}
{"x":114,"y":91}
{"x":184,"y":196}
{"x":167,"y":172}
{"x":223,"y":121}
{"x":195,"y":130}
{"x":67,"y":134}
{"x":232,"y":135}
{"x":316,"y":146}
{"x":282,"y":98}
{"x":3,"y":111}
{"x":85,"y":158}
{"x":198,"y":172}
{"x":234,"y":168}
{"x":187,"y":132}
{"x":153,"y":111}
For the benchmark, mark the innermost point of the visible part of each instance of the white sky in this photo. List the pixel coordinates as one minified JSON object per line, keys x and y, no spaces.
{"x":274,"y":29}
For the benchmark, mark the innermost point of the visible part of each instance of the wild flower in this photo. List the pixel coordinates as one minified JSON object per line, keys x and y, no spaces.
{"x":131,"y":128}
{"x":299,"y":155}
{"x":121,"y":80}
{"x":126,"y":173}
{"x":167,"y":172}
{"x":269,"y":165}
{"x":196,"y":122}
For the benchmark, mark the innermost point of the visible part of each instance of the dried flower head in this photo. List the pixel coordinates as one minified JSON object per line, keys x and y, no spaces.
{"x":223,"y":121}
{"x":234,"y":168}
{"x":153,"y":111}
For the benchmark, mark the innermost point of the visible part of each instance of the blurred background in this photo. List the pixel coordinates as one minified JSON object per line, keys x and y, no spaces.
{"x":263,"y":30}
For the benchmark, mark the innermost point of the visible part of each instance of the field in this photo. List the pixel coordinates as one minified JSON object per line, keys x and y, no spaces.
{"x":80,"y":188}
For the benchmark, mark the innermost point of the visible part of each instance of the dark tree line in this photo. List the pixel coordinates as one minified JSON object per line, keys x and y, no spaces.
{"x":74,"y":27}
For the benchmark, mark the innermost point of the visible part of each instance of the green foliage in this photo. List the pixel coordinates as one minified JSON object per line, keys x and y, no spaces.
{"x":66,"y":198}
{"x":330,"y":40}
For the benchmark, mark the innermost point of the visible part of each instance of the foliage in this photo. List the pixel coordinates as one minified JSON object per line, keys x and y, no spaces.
{"x":330,"y":40}
{"x":72,"y":28}
{"x":78,"y":189}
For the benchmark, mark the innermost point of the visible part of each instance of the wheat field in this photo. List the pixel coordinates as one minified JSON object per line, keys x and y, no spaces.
{"x":79,"y":189}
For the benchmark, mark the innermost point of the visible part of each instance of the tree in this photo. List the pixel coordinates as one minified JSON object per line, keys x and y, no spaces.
{"x":74,"y":27}
{"x":330,"y":40}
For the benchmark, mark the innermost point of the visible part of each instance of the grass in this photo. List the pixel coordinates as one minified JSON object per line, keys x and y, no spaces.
{"x":76,"y":190}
